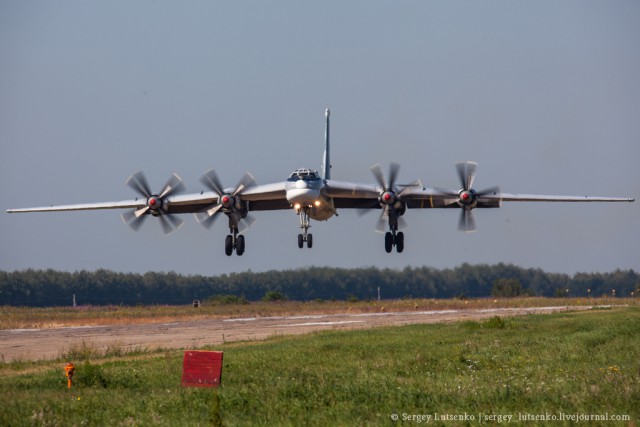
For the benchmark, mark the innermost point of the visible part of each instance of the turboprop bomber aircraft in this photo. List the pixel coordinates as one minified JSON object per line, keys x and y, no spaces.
{"x":312,"y":195}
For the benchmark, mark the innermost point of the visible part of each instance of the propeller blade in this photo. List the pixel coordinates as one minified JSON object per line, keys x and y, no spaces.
{"x":466,"y":174}
{"x":379,"y":175}
{"x":245,"y":182}
{"x":214,"y":210}
{"x":170,"y":223}
{"x":445,"y":192}
{"x":489,"y":191}
{"x":402,"y":224}
{"x":132,"y":220}
{"x":381,"y":225}
{"x":453,"y":196}
{"x":205,"y":219}
{"x":208,"y":217}
{"x":211,"y":181}
{"x":416,"y":183}
{"x":139,"y":212}
{"x":246,"y":223}
{"x":383,"y":221}
{"x":166,"y":225}
{"x":139,"y":184}
{"x":466,"y":222}
{"x":175,"y":220}
{"x":394,"y":168}
{"x":365,"y":210}
{"x":173,"y":186}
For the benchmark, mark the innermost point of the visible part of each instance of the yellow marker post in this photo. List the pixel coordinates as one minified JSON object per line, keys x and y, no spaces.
{"x":69,"y":370}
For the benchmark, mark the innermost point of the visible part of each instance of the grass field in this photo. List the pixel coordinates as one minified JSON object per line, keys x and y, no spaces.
{"x":561,"y":365}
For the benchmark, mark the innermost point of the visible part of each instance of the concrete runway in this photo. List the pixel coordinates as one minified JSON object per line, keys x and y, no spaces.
{"x":50,"y":343}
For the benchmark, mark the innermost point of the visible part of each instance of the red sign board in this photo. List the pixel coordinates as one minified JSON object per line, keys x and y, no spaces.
{"x":202,"y":368}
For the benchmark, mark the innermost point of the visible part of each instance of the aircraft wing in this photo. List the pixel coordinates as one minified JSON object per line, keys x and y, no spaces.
{"x":346,"y":194}
{"x":362,"y":196}
{"x":350,"y":190}
{"x":349,"y":195}
{"x":260,"y":197}
{"x":135,"y":204}
{"x":506,"y":197}
{"x":176,"y":204}
{"x":427,"y":198}
{"x":266,"y":197}
{"x":430,"y":198}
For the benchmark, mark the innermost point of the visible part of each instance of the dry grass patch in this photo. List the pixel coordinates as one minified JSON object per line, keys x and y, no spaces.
{"x":56,"y":317}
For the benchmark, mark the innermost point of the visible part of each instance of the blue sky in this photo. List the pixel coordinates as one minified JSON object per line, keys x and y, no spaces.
{"x":543,"y":95}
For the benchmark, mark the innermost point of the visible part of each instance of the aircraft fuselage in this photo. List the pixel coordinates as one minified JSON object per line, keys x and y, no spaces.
{"x":304,"y":192}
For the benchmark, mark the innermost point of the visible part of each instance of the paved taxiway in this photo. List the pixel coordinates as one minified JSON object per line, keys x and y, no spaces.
{"x":49,"y":343}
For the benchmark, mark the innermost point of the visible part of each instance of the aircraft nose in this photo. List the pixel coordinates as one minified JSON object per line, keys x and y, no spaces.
{"x":303,"y":196}
{"x":301,"y":184}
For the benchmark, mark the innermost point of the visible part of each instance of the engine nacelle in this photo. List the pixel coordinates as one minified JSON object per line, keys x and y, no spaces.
{"x":154,"y":203}
{"x":467,"y":199}
{"x":400,"y":207}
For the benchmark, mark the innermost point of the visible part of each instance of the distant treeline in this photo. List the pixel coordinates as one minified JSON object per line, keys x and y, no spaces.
{"x":42,"y":288}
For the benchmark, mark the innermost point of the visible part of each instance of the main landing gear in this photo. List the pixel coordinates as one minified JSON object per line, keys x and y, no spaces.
{"x":391,"y":240}
{"x":394,"y":238}
{"x":305,"y":236}
{"x":234,"y":242}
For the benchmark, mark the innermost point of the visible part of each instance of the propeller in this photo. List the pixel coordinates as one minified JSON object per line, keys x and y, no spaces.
{"x":390,"y":199}
{"x":228,"y":201}
{"x":156,"y":203}
{"x":468,"y":198}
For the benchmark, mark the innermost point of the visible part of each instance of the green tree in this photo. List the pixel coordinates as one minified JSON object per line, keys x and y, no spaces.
{"x":507,"y":287}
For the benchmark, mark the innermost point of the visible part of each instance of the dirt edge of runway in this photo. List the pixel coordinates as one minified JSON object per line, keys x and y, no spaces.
{"x":55,"y":343}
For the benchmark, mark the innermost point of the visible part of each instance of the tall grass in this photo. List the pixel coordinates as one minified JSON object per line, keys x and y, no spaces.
{"x":567,"y":363}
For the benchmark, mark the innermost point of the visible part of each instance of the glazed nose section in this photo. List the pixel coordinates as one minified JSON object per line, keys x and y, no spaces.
{"x":301,"y":184}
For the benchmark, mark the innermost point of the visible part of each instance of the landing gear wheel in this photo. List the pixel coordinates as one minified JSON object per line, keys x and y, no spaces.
{"x":240,"y":245}
{"x":388,"y":242}
{"x":309,"y":241}
{"x":400,"y":242}
{"x":228,"y":245}
{"x":300,"y":241}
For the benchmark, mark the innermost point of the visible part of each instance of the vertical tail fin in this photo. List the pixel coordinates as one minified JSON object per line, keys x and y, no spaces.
{"x":326,"y":159}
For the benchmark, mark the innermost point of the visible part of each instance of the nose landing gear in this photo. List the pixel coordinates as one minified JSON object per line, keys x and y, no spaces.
{"x":305,"y":238}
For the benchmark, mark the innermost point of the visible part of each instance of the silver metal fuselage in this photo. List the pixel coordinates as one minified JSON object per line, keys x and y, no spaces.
{"x":304,"y":191}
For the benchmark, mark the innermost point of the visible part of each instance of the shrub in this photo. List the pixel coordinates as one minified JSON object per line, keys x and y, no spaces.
{"x":271,"y":296}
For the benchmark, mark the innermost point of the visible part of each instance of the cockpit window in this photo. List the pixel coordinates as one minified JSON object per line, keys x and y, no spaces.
{"x":305,"y":174}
